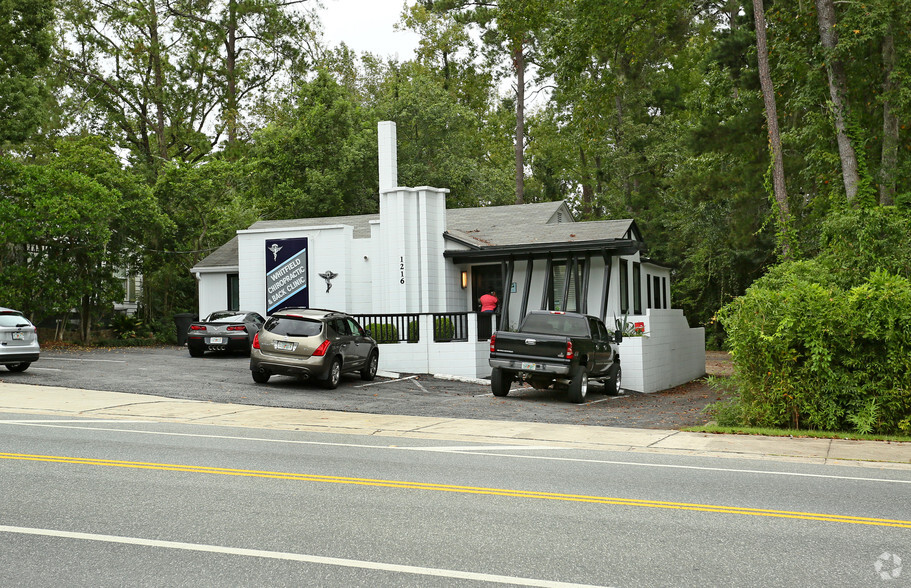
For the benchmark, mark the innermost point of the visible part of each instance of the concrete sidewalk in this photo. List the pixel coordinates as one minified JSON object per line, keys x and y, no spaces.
{"x":47,"y":400}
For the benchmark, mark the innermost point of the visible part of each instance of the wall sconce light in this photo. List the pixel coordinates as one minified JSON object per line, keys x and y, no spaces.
{"x":464,"y":279}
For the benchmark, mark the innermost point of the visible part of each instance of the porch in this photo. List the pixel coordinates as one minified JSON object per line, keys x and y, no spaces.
{"x":667,"y":354}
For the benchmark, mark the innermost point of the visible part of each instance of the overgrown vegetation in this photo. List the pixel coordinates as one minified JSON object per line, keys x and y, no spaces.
{"x":825,"y":344}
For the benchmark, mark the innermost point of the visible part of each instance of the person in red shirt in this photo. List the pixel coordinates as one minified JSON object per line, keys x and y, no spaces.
{"x":489,"y":302}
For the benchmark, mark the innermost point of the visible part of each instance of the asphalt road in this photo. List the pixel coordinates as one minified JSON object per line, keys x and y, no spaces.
{"x":171,"y":372}
{"x":104,"y":503}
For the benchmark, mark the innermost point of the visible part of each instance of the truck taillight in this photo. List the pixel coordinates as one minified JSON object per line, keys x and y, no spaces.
{"x":493,"y":343}
{"x":256,"y":341}
{"x":569,"y":350}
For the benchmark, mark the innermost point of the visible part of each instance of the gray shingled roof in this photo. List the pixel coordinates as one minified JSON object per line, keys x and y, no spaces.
{"x":360,"y":223}
{"x":518,"y":232}
{"x":224,"y":256}
{"x":487,"y":226}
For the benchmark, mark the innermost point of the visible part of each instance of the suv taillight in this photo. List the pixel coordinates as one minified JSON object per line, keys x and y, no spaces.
{"x":321,"y":350}
{"x":493,"y":343}
{"x":256,"y":341}
{"x":569,"y":350}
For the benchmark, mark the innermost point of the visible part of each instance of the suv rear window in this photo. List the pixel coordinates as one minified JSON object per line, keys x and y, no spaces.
{"x":13,"y":320}
{"x":293,"y":326}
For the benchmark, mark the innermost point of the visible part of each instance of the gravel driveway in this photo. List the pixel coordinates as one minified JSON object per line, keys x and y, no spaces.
{"x":171,"y":372}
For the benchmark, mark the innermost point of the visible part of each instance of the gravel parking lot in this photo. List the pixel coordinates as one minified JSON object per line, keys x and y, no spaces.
{"x":171,"y":372}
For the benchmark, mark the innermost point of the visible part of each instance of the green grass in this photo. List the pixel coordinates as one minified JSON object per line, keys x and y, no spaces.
{"x":710,"y":428}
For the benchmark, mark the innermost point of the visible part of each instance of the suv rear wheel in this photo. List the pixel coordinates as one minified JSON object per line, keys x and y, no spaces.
{"x":369,"y":370}
{"x":334,"y":375}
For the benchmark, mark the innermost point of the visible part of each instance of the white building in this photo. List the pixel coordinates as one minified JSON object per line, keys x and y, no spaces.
{"x":416,"y":265}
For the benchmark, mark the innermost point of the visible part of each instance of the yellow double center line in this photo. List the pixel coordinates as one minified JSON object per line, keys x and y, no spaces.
{"x":810,"y":516}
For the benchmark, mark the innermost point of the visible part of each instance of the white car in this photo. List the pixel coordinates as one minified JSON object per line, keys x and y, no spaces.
{"x":18,"y":340}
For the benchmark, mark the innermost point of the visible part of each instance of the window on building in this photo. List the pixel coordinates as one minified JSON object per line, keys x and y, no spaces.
{"x":664,"y":293}
{"x":233,"y":292}
{"x":637,"y":288}
{"x":657,"y":281}
{"x":129,"y":288}
{"x":648,"y":290}
{"x":558,"y":285}
{"x":624,"y":286}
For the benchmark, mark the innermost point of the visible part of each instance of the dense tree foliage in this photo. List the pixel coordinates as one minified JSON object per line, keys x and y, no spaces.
{"x":216,"y":113}
{"x":25,"y":47}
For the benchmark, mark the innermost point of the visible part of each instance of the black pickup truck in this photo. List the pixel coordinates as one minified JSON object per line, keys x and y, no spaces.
{"x":563,"y":349}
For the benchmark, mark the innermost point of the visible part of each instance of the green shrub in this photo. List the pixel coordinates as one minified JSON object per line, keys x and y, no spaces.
{"x":443,"y":329}
{"x":129,"y":326}
{"x":810,"y":354}
{"x":383,"y":332}
{"x":414,"y":332}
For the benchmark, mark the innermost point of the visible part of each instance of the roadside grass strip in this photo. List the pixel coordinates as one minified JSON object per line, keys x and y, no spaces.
{"x":510,"y":493}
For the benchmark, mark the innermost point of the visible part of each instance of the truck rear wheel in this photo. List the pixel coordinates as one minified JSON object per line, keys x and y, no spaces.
{"x":500,"y":382}
{"x":578,"y":386}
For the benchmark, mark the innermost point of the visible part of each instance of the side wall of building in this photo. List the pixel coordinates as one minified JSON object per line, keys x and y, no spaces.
{"x":330,"y":249}
{"x":213,"y":292}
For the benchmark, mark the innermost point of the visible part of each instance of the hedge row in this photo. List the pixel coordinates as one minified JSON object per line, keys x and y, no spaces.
{"x":816,"y":356}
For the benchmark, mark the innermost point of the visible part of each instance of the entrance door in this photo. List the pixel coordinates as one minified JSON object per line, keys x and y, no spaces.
{"x":484,"y":279}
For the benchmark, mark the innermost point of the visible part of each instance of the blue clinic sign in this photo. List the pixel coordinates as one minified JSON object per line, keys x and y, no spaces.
{"x":286,"y":274}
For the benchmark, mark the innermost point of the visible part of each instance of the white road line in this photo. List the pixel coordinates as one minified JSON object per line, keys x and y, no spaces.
{"x":44,"y":369}
{"x":423,"y":389}
{"x":299,"y":557}
{"x":386,"y":382}
{"x":46,"y":358}
{"x":468,"y":449}
{"x":604,"y":400}
{"x":478,"y":451}
{"x":55,"y":421}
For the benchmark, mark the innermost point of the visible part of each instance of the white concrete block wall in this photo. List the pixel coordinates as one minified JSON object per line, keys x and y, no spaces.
{"x":400,"y":249}
{"x":329,"y":248}
{"x":669,"y":355}
{"x":213,"y":293}
{"x":363,"y":263}
{"x":431,"y":223}
{"x":457,"y":298}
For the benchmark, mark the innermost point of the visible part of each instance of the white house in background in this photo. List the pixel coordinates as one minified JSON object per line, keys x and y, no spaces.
{"x":416,"y":263}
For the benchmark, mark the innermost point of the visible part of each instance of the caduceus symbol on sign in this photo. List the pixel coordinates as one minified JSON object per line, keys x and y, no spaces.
{"x":275,"y":248}
{"x":328,"y":275}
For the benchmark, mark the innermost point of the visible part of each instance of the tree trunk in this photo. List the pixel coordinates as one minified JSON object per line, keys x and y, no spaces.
{"x":838,"y":91}
{"x":519,"y":64}
{"x":158,"y":95}
{"x":771,"y":111}
{"x":587,"y":193}
{"x":890,"y":125}
{"x":231,"y":73}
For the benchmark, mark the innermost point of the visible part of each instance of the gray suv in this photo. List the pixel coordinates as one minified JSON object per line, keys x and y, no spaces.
{"x":312,"y":344}
{"x":18,"y":341}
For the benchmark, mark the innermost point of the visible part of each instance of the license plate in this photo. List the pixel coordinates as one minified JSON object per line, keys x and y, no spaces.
{"x":216,"y":340}
{"x":284,"y":346}
{"x":529,"y":366}
{"x":18,"y":336}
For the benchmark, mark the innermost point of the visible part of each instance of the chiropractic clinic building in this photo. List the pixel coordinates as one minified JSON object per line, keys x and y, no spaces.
{"x":417,"y":258}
